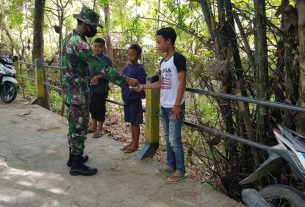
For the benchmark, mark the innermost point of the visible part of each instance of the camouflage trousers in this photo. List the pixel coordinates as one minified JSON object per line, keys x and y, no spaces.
{"x":78,"y":120}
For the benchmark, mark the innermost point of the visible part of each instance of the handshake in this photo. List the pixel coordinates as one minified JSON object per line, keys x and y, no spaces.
{"x":134,"y":85}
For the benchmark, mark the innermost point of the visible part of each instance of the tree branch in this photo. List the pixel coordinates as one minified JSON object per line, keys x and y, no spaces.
{"x":49,"y":8}
{"x":8,"y":34}
{"x":279,"y":32}
{"x":208,"y":16}
{"x":246,"y":42}
{"x":52,"y":12}
{"x":190,"y":32}
{"x":66,"y":4}
{"x":54,"y":3}
{"x":60,"y":2}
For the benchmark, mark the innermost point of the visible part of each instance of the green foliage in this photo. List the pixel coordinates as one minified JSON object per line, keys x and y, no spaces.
{"x":151,"y":61}
{"x":26,"y":87}
{"x":56,"y":101}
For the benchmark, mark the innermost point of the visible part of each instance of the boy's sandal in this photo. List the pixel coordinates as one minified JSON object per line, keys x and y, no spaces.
{"x":131,"y":150}
{"x":98,"y":134}
{"x":125,"y":146}
{"x":164,"y":171}
{"x":90,"y":131}
{"x":176,"y":178}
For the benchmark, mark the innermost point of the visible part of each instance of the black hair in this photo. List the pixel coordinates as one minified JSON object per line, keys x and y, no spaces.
{"x":100,"y":40}
{"x":79,"y":22}
{"x":168,"y":33}
{"x":137,"y":48}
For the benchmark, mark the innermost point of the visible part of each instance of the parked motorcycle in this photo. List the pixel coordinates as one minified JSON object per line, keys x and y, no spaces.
{"x":289,"y":150}
{"x":8,"y":89}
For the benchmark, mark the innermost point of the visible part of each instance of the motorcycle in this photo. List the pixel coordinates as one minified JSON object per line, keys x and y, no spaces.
{"x":289,"y":150}
{"x":8,"y":89}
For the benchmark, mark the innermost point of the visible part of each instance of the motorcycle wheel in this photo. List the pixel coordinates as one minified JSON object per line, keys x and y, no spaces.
{"x":8,"y":92}
{"x":283,"y":196}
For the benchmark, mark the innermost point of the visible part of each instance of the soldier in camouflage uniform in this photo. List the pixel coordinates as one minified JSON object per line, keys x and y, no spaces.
{"x":77,"y":57}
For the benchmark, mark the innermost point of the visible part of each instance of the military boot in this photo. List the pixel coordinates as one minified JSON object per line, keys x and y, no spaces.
{"x":78,"y":168}
{"x":84,"y":159}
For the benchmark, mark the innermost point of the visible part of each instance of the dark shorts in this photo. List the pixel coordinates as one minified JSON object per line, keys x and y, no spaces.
{"x":98,"y":106}
{"x":133,"y":112}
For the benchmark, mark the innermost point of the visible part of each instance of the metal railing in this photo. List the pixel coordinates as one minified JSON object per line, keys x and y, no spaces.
{"x":214,"y":132}
{"x":248,"y":100}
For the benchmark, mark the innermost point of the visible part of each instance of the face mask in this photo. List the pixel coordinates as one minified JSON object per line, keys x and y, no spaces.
{"x":91,"y":33}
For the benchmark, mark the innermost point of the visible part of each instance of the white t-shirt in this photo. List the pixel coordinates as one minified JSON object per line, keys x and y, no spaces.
{"x":169,"y":79}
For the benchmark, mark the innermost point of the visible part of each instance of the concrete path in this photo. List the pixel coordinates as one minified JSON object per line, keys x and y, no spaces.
{"x":33,"y":171}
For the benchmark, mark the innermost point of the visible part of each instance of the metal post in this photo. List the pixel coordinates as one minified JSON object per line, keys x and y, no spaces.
{"x":40,"y":87}
{"x":151,"y":122}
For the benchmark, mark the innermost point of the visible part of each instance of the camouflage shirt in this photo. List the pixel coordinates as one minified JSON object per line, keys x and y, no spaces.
{"x":77,"y":58}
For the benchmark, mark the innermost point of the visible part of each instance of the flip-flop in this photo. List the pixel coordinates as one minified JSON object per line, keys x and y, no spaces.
{"x":164,"y":172}
{"x":176,"y":178}
{"x":128,"y":150}
{"x":125,"y":146}
{"x":98,"y":134}
{"x":90,"y":131}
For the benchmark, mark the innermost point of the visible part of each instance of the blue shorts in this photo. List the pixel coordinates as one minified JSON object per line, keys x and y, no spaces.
{"x":133,"y":112}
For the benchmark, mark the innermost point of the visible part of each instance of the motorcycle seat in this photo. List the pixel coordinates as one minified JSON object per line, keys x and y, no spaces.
{"x":5,"y":61}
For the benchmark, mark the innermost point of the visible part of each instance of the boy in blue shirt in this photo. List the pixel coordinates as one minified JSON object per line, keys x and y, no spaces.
{"x":133,"y":111}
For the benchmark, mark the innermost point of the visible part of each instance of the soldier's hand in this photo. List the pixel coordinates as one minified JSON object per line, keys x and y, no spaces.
{"x":95,"y":80}
{"x":133,"y":82}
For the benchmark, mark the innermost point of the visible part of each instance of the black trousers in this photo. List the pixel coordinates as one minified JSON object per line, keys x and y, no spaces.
{"x":98,"y":106}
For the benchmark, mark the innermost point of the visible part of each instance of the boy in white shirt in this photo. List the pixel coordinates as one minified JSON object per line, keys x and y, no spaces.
{"x":172,"y":84}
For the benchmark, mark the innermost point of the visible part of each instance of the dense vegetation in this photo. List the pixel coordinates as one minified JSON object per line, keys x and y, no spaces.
{"x":250,"y":48}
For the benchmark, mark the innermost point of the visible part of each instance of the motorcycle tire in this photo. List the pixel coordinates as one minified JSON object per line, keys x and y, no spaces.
{"x":8,"y":92}
{"x":283,"y":195}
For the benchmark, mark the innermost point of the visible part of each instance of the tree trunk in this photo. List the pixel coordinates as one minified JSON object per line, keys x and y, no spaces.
{"x":219,"y":37}
{"x":243,"y":107}
{"x":38,"y":46}
{"x":38,"y":30}
{"x":223,"y":48}
{"x":208,"y":17}
{"x":300,"y":4}
{"x":60,"y":38}
{"x":13,"y":45}
{"x":221,"y":10}
{"x":107,"y":26}
{"x":246,"y":42}
{"x":262,"y":69}
{"x":248,"y":156}
{"x":1,"y":32}
{"x":291,"y":69}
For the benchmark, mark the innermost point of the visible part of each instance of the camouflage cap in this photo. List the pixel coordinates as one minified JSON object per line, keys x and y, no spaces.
{"x":88,"y":16}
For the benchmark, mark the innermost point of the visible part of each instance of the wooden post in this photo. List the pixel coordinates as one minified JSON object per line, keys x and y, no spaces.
{"x":151,"y":122}
{"x":40,"y":87}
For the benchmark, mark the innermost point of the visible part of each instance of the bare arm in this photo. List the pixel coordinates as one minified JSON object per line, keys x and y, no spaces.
{"x":177,"y":111}
{"x":153,"y":85}
{"x":181,"y":87}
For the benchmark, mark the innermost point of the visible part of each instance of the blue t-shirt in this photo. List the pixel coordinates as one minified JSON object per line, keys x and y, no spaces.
{"x":102,"y":86}
{"x":137,"y":72}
